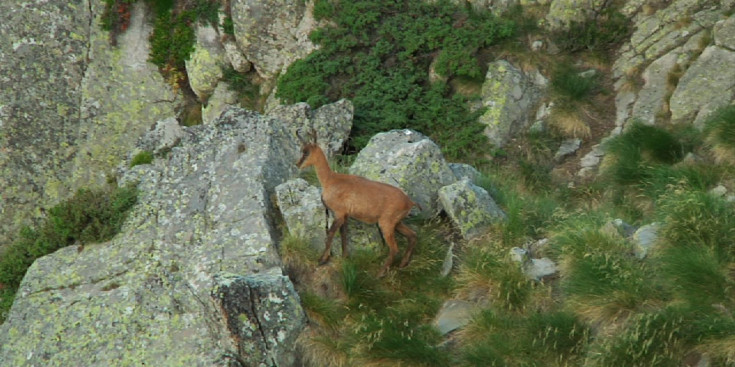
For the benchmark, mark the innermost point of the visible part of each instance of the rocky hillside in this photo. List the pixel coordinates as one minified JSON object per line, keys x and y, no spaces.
{"x":204,"y":270}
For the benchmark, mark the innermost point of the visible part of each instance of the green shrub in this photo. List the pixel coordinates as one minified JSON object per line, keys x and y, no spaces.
{"x":377,"y":53}
{"x":144,"y":157}
{"x":89,"y":216}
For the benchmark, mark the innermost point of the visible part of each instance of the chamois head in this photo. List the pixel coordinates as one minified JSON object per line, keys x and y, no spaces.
{"x":307,"y":148}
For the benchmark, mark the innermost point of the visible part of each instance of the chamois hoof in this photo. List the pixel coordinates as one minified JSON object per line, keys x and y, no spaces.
{"x":382,"y":272}
{"x":323,"y":261}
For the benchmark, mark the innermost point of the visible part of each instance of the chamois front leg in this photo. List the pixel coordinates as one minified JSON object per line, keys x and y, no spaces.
{"x":338,"y":221}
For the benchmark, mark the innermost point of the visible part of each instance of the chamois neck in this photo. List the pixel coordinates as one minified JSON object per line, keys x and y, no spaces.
{"x":323,"y":172}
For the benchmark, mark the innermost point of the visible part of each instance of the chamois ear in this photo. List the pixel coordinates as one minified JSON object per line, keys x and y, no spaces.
{"x":312,"y":135}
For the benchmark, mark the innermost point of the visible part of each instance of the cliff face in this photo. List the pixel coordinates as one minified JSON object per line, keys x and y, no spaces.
{"x":194,"y":277}
{"x":71,"y":105}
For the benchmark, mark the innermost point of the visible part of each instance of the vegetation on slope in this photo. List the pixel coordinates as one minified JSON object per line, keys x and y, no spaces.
{"x":377,"y":53}
{"x":89,"y":216}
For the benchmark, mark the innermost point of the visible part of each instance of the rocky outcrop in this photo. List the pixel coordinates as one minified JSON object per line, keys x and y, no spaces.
{"x":470,"y":208}
{"x":510,"y":96}
{"x":204,"y":66}
{"x":273,"y":33}
{"x":332,"y":123}
{"x":193,"y":279}
{"x":71,"y":105}
{"x":562,"y":13}
{"x":668,"y":42}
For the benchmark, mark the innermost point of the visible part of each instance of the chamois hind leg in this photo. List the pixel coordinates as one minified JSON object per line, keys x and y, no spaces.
{"x":343,"y":234}
{"x":338,"y":221}
{"x":411,"y":236}
{"x":388,"y":230}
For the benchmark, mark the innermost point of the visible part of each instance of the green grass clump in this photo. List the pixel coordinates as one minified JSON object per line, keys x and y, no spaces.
{"x":697,"y":218}
{"x":698,"y":250}
{"x":548,"y":338}
{"x":720,"y":134}
{"x":568,"y":83}
{"x":377,"y":53}
{"x":144,"y":157}
{"x":89,"y":216}
{"x":665,"y":337}
{"x":644,"y":158}
{"x":490,"y":271}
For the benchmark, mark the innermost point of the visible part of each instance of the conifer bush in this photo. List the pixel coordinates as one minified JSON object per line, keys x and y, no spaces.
{"x":377,"y":53}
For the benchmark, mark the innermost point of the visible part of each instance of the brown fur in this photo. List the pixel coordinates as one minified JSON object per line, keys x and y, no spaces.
{"x":365,"y":200}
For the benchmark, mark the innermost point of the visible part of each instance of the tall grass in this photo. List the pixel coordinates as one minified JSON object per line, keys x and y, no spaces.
{"x":720,"y":134}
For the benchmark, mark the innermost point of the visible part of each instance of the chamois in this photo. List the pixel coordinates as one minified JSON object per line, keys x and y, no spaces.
{"x":360,"y":198}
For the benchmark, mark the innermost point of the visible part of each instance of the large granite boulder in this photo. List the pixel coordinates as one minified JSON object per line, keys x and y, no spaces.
{"x":204,"y":66}
{"x":510,"y":97}
{"x":706,"y":86}
{"x":193,"y":278}
{"x":332,"y":123}
{"x":562,"y":13}
{"x":409,"y":160}
{"x":470,"y":208}
{"x":273,"y":33}
{"x":71,"y":105}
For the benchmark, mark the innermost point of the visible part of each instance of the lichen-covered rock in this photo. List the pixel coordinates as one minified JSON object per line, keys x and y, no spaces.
{"x":706,"y":86}
{"x":651,"y":98}
{"x":303,"y":211}
{"x":305,"y":215}
{"x":470,"y":208}
{"x":273,"y":33}
{"x":724,"y":33}
{"x":463,"y":170}
{"x":510,"y":97}
{"x":157,"y":294}
{"x":204,"y":66}
{"x":222,"y":99}
{"x":263,"y":314}
{"x":332,"y":123}
{"x":665,"y":30}
{"x":406,"y":159}
{"x":496,"y":6}
{"x":164,"y":136}
{"x":562,"y":13}
{"x":70,"y":103}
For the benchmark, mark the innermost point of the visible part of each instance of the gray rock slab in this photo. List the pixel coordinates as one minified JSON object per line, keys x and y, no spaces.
{"x":470,"y":208}
{"x":156,"y":293}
